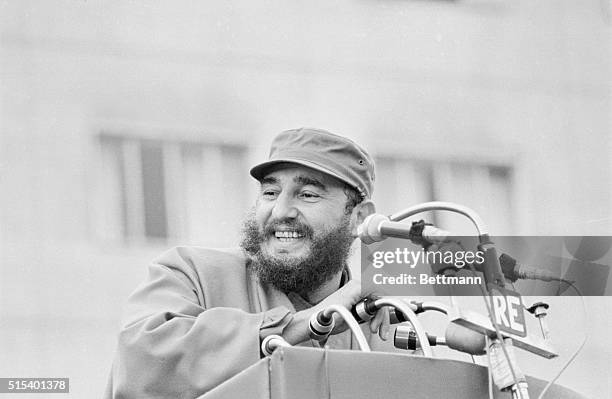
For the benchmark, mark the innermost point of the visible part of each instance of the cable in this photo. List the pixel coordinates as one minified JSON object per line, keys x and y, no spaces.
{"x":327,"y":379}
{"x":584,"y":340}
{"x":430,"y":305}
{"x":497,"y":332}
{"x":489,"y":372}
{"x":442,"y":206}
{"x":352,"y":324}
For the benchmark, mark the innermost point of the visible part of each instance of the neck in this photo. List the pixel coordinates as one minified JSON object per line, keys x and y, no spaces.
{"x":325,"y":290}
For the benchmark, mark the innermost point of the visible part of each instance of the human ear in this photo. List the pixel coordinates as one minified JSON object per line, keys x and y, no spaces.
{"x":359,"y":213}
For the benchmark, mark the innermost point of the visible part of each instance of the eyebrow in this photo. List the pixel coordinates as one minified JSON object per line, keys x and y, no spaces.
{"x":301,"y":180}
{"x":309,"y":181}
{"x":269,"y":180}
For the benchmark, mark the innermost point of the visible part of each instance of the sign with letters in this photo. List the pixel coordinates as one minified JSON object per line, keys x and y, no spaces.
{"x":507,"y":307}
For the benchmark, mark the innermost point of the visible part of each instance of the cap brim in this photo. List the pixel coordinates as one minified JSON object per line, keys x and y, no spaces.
{"x":260,"y":171}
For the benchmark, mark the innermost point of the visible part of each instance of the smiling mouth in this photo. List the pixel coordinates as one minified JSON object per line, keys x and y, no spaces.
{"x":288,"y":236}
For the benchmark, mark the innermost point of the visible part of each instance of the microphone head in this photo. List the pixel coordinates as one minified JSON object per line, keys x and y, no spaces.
{"x":361,"y":311}
{"x":465,"y":340}
{"x":405,"y":338}
{"x":369,"y":230}
{"x":318,"y":327}
{"x":271,"y":342}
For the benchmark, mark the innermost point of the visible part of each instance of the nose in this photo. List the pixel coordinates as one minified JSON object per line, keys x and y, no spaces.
{"x":284,"y":207}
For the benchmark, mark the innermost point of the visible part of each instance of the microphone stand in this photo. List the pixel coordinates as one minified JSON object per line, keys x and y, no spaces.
{"x":492,"y":272}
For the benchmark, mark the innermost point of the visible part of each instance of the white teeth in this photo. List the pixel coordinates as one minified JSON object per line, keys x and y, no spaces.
{"x":285,"y":235}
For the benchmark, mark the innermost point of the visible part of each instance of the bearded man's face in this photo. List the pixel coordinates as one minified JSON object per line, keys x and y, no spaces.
{"x":299,"y":234}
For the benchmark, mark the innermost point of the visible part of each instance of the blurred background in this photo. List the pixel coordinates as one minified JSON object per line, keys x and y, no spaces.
{"x":128,"y":127}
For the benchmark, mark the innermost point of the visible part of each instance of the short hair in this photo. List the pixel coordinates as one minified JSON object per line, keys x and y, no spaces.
{"x":353,"y":198}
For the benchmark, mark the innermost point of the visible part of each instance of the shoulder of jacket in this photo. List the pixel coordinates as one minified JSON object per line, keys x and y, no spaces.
{"x":204,"y":261}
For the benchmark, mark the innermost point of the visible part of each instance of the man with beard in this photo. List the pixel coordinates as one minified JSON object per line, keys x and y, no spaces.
{"x":200,"y":317}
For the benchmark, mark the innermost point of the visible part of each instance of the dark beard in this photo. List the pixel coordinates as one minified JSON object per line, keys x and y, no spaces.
{"x":329,"y":251}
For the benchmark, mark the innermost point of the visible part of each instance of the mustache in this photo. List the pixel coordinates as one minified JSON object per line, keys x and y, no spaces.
{"x":288,"y":224}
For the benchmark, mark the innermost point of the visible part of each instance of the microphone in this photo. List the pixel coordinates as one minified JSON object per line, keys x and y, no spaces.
{"x":271,"y":342}
{"x":456,"y":337}
{"x":377,"y":227}
{"x":426,"y":234}
{"x":405,"y":338}
{"x":514,"y":270}
{"x":465,"y":340}
{"x":320,"y":326}
{"x":365,"y":309}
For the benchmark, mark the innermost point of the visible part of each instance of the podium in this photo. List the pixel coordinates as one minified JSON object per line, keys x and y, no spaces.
{"x":300,"y":372}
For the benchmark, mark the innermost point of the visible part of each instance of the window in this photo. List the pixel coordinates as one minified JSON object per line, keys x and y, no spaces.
{"x":486,"y":188}
{"x":162,"y":191}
